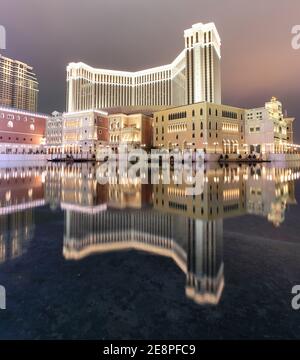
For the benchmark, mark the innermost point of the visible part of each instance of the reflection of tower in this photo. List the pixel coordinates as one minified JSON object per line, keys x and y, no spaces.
{"x":21,"y":190}
{"x":205,"y":277}
{"x":16,"y":230}
{"x":195,"y":245}
{"x":53,"y":185}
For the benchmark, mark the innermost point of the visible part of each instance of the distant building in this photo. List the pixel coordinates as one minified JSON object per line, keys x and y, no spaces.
{"x":193,"y":76}
{"x":21,"y":132}
{"x":266,"y":129}
{"x":135,"y":130}
{"x":223,"y":129}
{"x":18,"y":85}
{"x":54,"y":133}
{"x":84,"y":132}
{"x":212,"y":127}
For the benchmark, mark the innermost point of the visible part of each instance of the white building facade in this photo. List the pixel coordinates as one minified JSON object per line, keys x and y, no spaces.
{"x":192,"y":77}
{"x":54,"y":133}
{"x":267,"y":130}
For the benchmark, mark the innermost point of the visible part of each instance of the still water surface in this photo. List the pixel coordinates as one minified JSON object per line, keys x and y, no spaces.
{"x":126,"y":260}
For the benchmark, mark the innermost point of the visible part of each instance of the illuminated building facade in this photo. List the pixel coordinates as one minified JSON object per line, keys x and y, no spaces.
{"x":18,"y":85}
{"x":21,"y":132}
{"x":84,"y":132}
{"x":223,"y":129}
{"x":54,"y":133}
{"x":267,"y":130}
{"x":212,"y":127}
{"x":193,"y":76}
{"x":134,"y":130}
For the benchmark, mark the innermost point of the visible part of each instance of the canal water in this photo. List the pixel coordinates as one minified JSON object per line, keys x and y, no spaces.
{"x":85,"y":259}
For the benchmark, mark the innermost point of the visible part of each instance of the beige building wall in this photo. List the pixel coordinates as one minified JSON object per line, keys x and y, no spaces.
{"x":290,"y":129}
{"x":133,"y":129}
{"x":211,"y":127}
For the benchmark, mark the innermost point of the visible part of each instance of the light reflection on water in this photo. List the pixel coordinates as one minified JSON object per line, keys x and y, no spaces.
{"x":157,"y":219}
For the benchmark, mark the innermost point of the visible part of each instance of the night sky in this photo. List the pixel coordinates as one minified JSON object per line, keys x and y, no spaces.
{"x":258,"y":60}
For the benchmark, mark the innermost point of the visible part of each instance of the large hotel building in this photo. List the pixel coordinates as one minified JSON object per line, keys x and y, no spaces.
{"x":174,"y":106}
{"x":18,"y":85}
{"x":192,"y":77}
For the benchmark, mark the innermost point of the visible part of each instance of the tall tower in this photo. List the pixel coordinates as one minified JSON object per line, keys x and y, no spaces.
{"x":203,"y":57}
{"x":18,"y":85}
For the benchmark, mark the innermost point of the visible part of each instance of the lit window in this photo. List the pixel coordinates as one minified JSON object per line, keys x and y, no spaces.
{"x":10,"y":124}
{"x":32,"y":127}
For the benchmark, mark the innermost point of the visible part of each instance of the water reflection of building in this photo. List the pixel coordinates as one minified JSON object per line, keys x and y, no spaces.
{"x":98,"y":226}
{"x":188,"y":229}
{"x":126,"y":214}
{"x":21,"y":190}
{"x":195,"y":245}
{"x":233,"y":191}
{"x":270,"y":190}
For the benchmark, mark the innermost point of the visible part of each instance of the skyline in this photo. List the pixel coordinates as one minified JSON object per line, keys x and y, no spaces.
{"x":48,"y":41}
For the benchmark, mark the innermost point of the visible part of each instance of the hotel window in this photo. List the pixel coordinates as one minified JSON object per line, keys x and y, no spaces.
{"x":193,"y":113}
{"x":209,"y":111}
{"x":201,"y":125}
{"x":10,"y":124}
{"x":201,"y":135}
{"x":201,"y":111}
{"x":216,"y":112}
{"x":193,"y":126}
{"x":32,"y":127}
